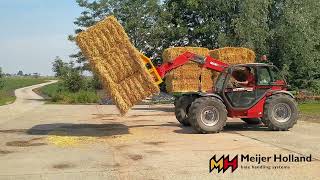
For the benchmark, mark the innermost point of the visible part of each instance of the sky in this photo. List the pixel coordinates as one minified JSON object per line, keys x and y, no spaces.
{"x":34,"y":32}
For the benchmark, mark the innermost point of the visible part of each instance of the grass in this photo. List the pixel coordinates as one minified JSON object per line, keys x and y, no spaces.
{"x":54,"y":94}
{"x":12,"y":83}
{"x":310,"y":108}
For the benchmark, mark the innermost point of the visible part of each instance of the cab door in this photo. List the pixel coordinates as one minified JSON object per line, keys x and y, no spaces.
{"x":240,"y":96}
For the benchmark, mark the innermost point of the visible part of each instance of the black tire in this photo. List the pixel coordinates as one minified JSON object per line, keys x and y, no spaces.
{"x":182,"y":105}
{"x":280,"y":112}
{"x":208,"y":115}
{"x":252,"y":120}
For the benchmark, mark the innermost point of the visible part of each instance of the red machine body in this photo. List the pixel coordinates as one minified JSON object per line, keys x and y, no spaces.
{"x":255,"y":110}
{"x":207,"y":62}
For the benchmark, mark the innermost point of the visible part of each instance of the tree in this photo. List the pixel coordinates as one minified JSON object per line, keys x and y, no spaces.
{"x":59,"y":67}
{"x":20,"y":73}
{"x":295,"y":42}
{"x":137,"y":17}
{"x":285,"y":30}
{"x":1,"y":78}
{"x":72,"y":79}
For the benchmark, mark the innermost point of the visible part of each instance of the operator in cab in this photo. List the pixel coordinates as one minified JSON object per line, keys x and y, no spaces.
{"x":251,"y":80}
{"x":243,"y":77}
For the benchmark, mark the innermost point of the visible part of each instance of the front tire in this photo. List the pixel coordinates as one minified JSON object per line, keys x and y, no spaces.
{"x":280,"y":112}
{"x":182,"y":105}
{"x":208,"y":115}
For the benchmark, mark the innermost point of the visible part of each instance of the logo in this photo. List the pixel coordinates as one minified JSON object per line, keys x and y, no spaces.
{"x":223,"y":163}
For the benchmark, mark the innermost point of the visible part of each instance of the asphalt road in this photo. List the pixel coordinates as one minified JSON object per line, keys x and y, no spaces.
{"x":41,"y":141}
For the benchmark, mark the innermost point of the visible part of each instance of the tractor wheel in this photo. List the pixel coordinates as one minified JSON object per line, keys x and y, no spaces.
{"x":251,"y":120}
{"x":208,"y":115}
{"x":280,"y":112}
{"x":182,"y":105}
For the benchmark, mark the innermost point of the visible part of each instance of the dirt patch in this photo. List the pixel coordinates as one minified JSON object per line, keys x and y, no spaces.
{"x":144,"y":121}
{"x":26,"y":143}
{"x":155,"y":143}
{"x":135,"y":157}
{"x":63,"y":166}
{"x":153,"y":152}
{"x":5,"y":152}
{"x":17,"y":131}
{"x":121,"y":146}
{"x":309,"y":118}
{"x":116,"y":165}
{"x":151,"y":115}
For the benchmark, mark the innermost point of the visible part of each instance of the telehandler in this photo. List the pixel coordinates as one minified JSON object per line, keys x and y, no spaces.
{"x":265,"y":99}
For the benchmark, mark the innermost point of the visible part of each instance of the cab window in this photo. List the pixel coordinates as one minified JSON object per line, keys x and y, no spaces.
{"x":264,"y":77}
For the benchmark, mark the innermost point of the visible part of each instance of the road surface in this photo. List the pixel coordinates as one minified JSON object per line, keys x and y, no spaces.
{"x":41,"y":141}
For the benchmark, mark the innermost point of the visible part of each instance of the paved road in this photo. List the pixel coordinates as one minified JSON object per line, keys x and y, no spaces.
{"x":40,"y":141}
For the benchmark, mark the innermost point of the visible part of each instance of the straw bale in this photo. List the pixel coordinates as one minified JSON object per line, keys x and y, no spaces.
{"x":201,"y":80}
{"x":233,"y":55}
{"x":190,"y":70}
{"x":170,"y":54}
{"x":113,"y":57}
{"x":182,"y":85}
{"x":208,"y":78}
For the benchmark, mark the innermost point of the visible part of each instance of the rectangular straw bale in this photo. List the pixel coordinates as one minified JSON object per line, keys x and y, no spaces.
{"x":170,"y":54}
{"x":208,"y":79}
{"x":233,"y":55}
{"x":182,"y":85}
{"x":117,"y":62}
{"x":191,"y":70}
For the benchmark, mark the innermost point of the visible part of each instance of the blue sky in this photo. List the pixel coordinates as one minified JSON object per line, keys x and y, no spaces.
{"x":34,"y":32}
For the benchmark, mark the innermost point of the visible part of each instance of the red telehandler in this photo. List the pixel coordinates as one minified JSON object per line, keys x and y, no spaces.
{"x":266,"y":99}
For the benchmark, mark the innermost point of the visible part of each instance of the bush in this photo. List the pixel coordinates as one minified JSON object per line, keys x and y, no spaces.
{"x":62,"y":95}
{"x":75,"y":98}
{"x":73,"y":80}
{"x":315,"y":87}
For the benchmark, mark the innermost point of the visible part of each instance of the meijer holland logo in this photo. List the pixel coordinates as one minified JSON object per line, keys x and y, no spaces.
{"x":257,"y":161}
{"x":224,"y":163}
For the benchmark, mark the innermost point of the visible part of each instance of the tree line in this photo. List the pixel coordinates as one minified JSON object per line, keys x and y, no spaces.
{"x":284,"y":30}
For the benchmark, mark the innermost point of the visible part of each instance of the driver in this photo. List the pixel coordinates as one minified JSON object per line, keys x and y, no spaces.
{"x":250,"y":79}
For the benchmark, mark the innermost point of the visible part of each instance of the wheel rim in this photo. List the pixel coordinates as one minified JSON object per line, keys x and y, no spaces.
{"x":210,"y":116}
{"x":281,"y":112}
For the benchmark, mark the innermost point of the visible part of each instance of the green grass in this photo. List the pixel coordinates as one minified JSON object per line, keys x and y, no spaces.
{"x":310,"y":108}
{"x":55,"y":94}
{"x":12,"y":83}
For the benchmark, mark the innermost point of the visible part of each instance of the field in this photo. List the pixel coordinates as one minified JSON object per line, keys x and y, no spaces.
{"x":12,"y":83}
{"x":312,"y":108}
{"x":55,"y":94}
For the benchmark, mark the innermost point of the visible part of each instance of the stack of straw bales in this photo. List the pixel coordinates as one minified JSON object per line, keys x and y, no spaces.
{"x":170,"y":54}
{"x":233,"y":55}
{"x":189,"y":77}
{"x":113,"y":57}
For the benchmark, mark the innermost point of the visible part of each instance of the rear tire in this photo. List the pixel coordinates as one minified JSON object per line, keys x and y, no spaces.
{"x":254,"y":121}
{"x":208,"y":115}
{"x":182,"y":105}
{"x":280,"y":112}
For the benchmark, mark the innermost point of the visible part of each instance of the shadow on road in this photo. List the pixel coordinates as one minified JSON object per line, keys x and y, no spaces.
{"x":164,"y":109}
{"x":240,"y":126}
{"x":93,"y":130}
{"x":100,"y":130}
{"x":41,"y":100}
{"x":231,"y":126}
